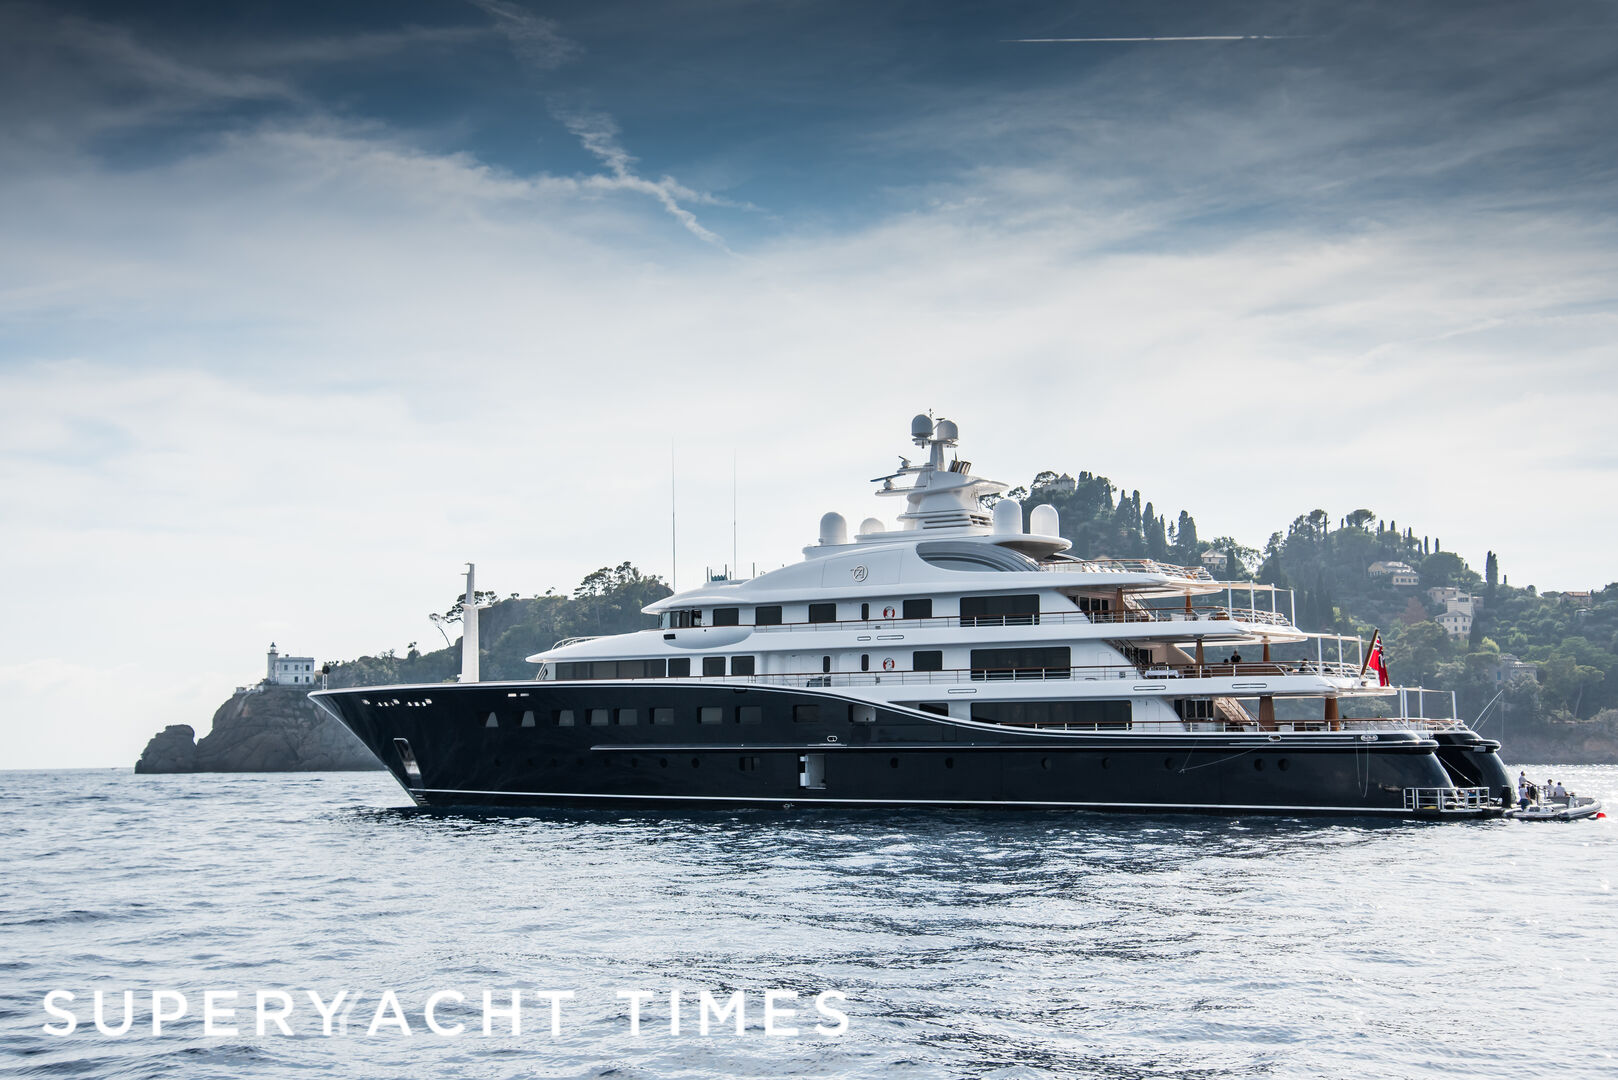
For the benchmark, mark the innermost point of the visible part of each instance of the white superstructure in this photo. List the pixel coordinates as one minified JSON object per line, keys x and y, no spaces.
{"x":963,"y":611}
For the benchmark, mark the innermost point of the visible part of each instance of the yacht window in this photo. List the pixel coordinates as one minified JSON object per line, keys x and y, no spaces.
{"x":680,"y":667}
{"x":564,"y":717}
{"x":604,"y":669}
{"x":937,"y":708}
{"x":919,"y":609}
{"x":822,"y":612}
{"x":627,"y":718}
{"x":492,"y":721}
{"x":1099,"y":714}
{"x":741,"y":665}
{"x":1025,"y":663}
{"x":825,"y":665}
{"x":680,"y":620}
{"x":767,"y":616}
{"x":631,"y":669}
{"x":656,"y":669}
{"x":865,"y":661}
{"x":865,"y":612}
{"x":806,"y":714}
{"x":727,"y":616}
{"x":1094,"y":605}
{"x":927,"y":660}
{"x":599,"y":717}
{"x":663,"y":717}
{"x":750,"y":714}
{"x":713,"y":665}
{"x":1195,"y":708}
{"x":528,"y":718}
{"x":710,"y":714}
{"x":999,"y":610}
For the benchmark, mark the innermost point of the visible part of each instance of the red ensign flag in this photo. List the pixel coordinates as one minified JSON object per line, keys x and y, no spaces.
{"x":1376,"y":662}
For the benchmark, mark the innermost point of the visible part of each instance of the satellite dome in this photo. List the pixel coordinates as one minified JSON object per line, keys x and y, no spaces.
{"x":947,"y":431}
{"x":833,"y":530}
{"x":1044,"y":521}
{"x":871,"y":526}
{"x":921,"y":427}
{"x":1008,"y":517}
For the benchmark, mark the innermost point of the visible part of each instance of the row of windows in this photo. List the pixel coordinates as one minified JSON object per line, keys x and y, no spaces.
{"x":1049,"y":662}
{"x":1019,"y":610}
{"x":712,"y":666}
{"x":1102,"y":714}
{"x":666,"y":717}
{"x":677,"y":668}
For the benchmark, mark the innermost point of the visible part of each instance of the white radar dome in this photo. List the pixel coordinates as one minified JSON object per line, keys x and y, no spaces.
{"x":1007,"y":517}
{"x":921,"y":427}
{"x":833,"y":530}
{"x":947,"y":432}
{"x":1044,"y":521}
{"x":872,"y":525}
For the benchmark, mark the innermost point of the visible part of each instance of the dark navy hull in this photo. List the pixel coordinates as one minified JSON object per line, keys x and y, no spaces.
{"x":518,"y":745}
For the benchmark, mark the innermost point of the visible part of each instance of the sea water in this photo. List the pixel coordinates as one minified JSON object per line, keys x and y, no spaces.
{"x":956,"y":944}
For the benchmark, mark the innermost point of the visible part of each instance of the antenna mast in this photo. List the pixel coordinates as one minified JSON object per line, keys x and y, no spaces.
{"x":674,"y":535}
{"x":735,"y":565}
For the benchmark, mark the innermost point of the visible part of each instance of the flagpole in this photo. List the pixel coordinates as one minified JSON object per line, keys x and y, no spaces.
{"x":1376,"y":636}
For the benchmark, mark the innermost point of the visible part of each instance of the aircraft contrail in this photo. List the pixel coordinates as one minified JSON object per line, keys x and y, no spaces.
{"x":1199,"y":37}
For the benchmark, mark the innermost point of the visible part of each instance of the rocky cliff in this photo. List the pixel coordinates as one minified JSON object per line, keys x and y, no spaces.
{"x":265,"y":729}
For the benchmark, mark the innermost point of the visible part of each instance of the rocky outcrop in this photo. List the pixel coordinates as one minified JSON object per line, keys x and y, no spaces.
{"x":263,"y":729}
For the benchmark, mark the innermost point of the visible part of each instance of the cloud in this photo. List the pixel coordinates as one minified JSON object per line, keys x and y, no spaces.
{"x":537,"y":40}
{"x":598,"y":133}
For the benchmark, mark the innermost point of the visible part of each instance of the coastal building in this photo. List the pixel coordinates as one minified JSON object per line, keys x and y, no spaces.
{"x":1454,"y":599}
{"x":290,"y":670}
{"x":1399,"y":574}
{"x":1509,"y":667}
{"x":1457,"y":623}
{"x":1214,"y":560}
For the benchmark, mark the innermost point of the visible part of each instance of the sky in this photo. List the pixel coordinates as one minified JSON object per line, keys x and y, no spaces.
{"x":303,"y":306}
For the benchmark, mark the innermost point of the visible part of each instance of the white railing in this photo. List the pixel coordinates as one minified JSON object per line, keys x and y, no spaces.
{"x":1447,"y":798}
{"x":1256,"y":616}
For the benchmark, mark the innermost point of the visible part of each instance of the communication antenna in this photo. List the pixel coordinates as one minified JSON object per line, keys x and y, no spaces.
{"x":674,"y":535}
{"x":734,"y":561}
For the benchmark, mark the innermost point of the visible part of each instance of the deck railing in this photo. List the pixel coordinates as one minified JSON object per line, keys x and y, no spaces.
{"x":1447,"y":798}
{"x":1257,"y":616}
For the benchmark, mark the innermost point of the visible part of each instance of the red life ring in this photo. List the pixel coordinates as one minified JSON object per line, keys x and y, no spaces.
{"x":887,"y":665}
{"x":887,"y":613}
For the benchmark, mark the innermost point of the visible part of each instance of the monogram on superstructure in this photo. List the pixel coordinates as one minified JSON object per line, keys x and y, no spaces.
{"x":961,"y":659}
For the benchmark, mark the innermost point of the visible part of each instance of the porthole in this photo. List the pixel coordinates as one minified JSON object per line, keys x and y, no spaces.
{"x":893,"y":763}
{"x":530,"y":763}
{"x":696,"y":763}
{"x":634,"y":763}
{"x":1283,"y":764}
{"x":1168,"y":763}
{"x":1044,"y":763}
{"x":662,"y":762}
{"x":1258,"y":764}
{"x":949,"y":763}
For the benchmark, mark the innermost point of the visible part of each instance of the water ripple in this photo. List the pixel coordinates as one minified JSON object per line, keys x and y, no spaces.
{"x":970,"y":944}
